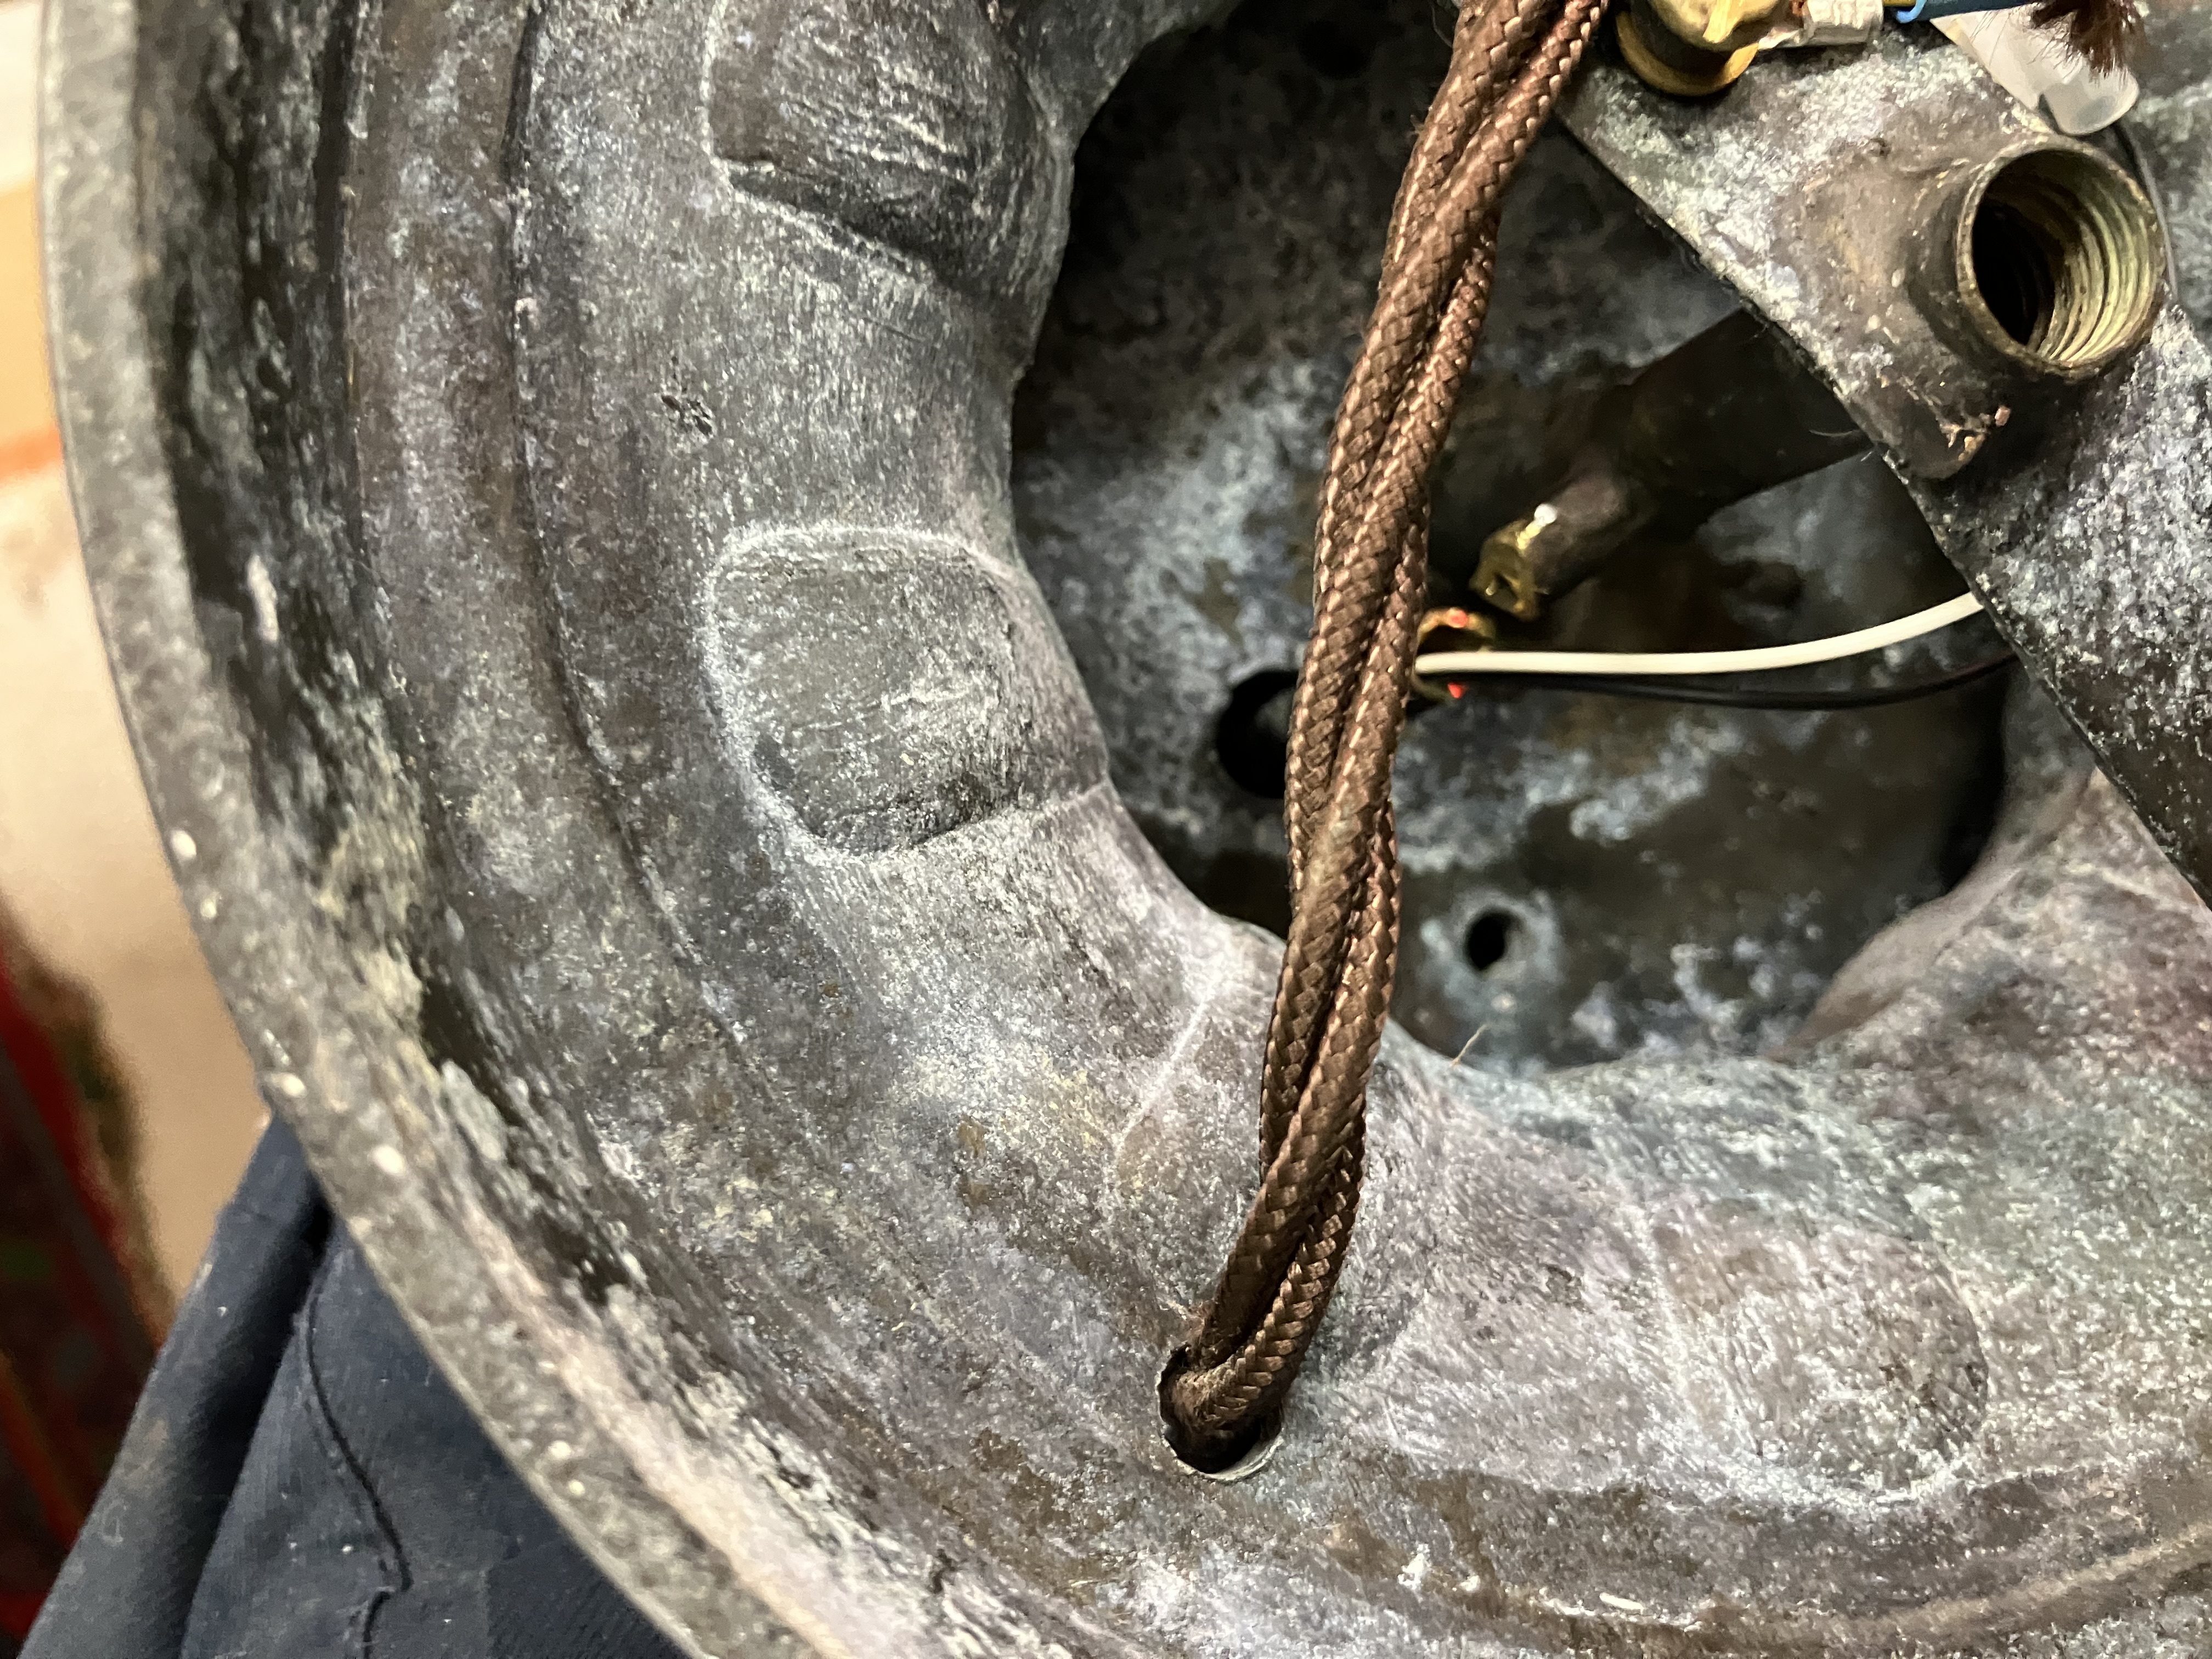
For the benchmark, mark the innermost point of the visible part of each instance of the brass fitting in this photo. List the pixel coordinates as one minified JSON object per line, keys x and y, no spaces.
{"x":1571,"y":533}
{"x":1720,"y":417}
{"x":1506,"y":578}
{"x":2043,"y":263}
{"x":1693,"y":48}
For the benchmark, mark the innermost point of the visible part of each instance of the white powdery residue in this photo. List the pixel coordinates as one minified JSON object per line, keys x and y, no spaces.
{"x":1158,"y":1594}
{"x":1209,"y":498}
{"x":477,"y":1118}
{"x":1598,"y":1019}
{"x":372,"y":877}
{"x":621,"y":1159}
{"x":1683,"y":773}
{"x":264,"y":592}
{"x":1416,"y":1570}
{"x":1722,"y":1016}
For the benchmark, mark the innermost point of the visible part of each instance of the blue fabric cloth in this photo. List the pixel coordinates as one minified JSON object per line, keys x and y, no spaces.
{"x":300,"y":1483}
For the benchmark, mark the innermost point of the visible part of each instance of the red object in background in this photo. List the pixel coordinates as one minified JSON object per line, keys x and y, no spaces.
{"x":76,"y":1337}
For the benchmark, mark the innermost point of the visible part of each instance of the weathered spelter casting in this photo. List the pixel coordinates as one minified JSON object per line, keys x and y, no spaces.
{"x":640,"y":675}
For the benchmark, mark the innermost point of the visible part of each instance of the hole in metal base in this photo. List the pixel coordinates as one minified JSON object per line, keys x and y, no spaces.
{"x":1240,"y":1459}
{"x":1489,"y":937}
{"x":1252,"y":737}
{"x":2065,"y":255}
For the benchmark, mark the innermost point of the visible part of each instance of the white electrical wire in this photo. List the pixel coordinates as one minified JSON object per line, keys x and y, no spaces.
{"x":1448,"y":663}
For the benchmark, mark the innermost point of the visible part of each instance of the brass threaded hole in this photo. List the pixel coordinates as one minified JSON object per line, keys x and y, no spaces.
{"x":2066,"y":259}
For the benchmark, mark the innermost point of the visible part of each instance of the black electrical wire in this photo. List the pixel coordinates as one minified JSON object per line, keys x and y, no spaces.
{"x":1736,"y":694}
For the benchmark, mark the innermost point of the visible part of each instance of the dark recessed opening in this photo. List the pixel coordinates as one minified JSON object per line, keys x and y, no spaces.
{"x":1184,"y":661}
{"x":1334,"y":50}
{"x":1489,"y":937}
{"x":2066,"y":256}
{"x":1247,"y":1455}
{"x":1253,"y":736}
{"x":2014,"y":265}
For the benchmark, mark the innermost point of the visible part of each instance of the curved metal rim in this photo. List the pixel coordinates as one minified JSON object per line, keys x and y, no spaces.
{"x":246,"y":898}
{"x":465,"y":1303}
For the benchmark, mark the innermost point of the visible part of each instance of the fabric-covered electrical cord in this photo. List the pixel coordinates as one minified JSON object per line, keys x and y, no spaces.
{"x":1223,"y":1388}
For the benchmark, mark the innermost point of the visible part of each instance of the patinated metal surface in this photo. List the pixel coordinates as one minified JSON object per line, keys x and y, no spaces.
{"x":1660,"y":882}
{"x":1813,"y":190}
{"x":548,"y":480}
{"x":2083,"y":527}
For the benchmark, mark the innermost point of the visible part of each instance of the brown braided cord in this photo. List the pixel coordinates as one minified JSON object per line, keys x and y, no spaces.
{"x":1510,"y":58}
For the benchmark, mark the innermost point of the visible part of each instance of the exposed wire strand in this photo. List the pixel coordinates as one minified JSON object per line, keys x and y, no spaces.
{"x":1453,"y":664}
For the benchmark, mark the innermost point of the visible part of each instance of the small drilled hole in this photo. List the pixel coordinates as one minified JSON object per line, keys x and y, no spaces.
{"x":1238,"y":1459}
{"x":1489,"y":937}
{"x":1252,"y":737}
{"x":2066,"y":259}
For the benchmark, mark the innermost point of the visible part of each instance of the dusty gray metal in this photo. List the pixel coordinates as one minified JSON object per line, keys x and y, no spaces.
{"x":2084,"y":527}
{"x":546,"y":473}
{"x":1660,"y":883}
